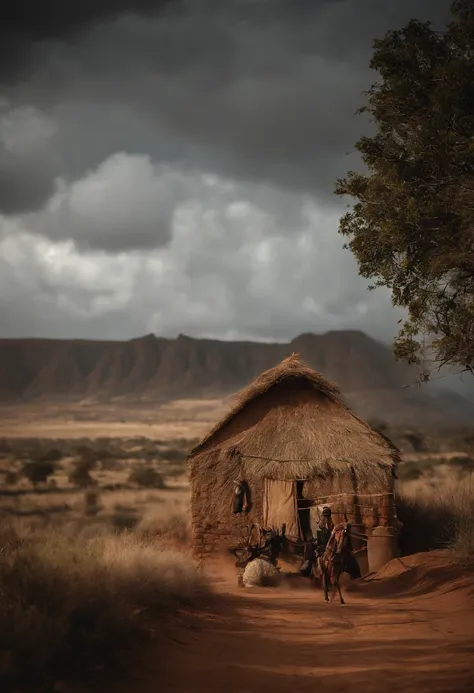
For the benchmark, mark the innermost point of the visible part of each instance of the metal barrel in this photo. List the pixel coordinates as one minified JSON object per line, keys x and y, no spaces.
{"x":382,"y":547}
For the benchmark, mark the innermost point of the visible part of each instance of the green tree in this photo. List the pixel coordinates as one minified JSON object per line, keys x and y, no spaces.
{"x":411,"y":227}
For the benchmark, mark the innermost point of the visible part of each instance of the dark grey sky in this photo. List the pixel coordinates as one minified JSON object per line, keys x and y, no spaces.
{"x":169,"y":166}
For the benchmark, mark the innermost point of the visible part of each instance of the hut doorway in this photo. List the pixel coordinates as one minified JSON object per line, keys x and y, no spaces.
{"x":280,"y":506}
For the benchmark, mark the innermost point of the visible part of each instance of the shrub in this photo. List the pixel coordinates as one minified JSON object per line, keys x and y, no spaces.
{"x":52,"y":455}
{"x":80,"y":474}
{"x":85,"y":452}
{"x":174,"y":527}
{"x":463,"y":464}
{"x":70,"y":604}
{"x":111,"y":464}
{"x":173,"y":454}
{"x":4,"y":446}
{"x":147,"y":477}
{"x":11,"y":478}
{"x":38,"y":471}
{"x":92,"y":502}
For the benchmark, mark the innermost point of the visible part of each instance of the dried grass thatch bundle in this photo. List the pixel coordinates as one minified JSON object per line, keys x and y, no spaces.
{"x":291,"y":422}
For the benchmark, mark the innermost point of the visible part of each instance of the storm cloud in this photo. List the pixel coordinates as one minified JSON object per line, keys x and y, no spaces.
{"x":170,"y":166}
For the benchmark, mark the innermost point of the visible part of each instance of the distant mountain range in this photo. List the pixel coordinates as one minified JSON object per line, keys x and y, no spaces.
{"x":153,"y":368}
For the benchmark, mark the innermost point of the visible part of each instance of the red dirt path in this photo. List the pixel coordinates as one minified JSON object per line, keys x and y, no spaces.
{"x":408,"y":630}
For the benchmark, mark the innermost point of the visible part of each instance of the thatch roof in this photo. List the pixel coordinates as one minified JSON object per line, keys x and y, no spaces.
{"x":310,"y":433}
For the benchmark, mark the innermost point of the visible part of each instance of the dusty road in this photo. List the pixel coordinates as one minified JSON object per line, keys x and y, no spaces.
{"x":411,"y":631}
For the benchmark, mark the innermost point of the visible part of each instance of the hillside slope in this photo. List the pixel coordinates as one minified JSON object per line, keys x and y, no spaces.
{"x":155,"y":368}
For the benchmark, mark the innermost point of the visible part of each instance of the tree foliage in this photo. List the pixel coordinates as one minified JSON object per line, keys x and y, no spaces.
{"x":38,"y":471}
{"x":80,"y":474}
{"x":411,"y":227}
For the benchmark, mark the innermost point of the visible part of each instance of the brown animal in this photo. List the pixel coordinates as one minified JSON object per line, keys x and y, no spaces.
{"x":331,"y":563}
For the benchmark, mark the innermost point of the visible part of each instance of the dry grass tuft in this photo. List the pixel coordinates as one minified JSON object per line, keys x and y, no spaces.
{"x":173,"y":528}
{"x":147,"y":477}
{"x":69,"y":603}
{"x":438,"y":513}
{"x":463,"y":525}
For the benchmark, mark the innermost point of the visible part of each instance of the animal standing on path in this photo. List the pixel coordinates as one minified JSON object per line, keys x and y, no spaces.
{"x":331,"y":563}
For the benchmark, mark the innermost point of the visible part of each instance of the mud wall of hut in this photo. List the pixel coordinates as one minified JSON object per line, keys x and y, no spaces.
{"x":215,"y":528}
{"x":364,"y":506}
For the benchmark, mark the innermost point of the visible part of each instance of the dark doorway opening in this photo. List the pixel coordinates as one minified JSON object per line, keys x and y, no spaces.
{"x":304,"y":505}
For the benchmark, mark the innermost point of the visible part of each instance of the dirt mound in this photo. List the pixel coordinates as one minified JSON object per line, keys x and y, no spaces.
{"x":422,"y":573}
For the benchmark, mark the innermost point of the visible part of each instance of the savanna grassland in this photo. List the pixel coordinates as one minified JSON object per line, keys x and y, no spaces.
{"x":95,"y":529}
{"x":94,"y":535}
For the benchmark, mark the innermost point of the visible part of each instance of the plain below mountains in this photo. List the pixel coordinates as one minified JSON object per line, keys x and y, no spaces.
{"x":153,"y":368}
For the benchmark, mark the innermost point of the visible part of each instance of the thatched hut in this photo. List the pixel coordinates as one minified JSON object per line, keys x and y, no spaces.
{"x":295,"y":445}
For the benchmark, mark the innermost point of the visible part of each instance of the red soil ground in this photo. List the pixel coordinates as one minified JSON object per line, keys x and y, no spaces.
{"x":410,"y":628}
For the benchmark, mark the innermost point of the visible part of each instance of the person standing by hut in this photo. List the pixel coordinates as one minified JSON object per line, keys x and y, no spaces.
{"x":324,"y":530}
{"x":316,"y":545}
